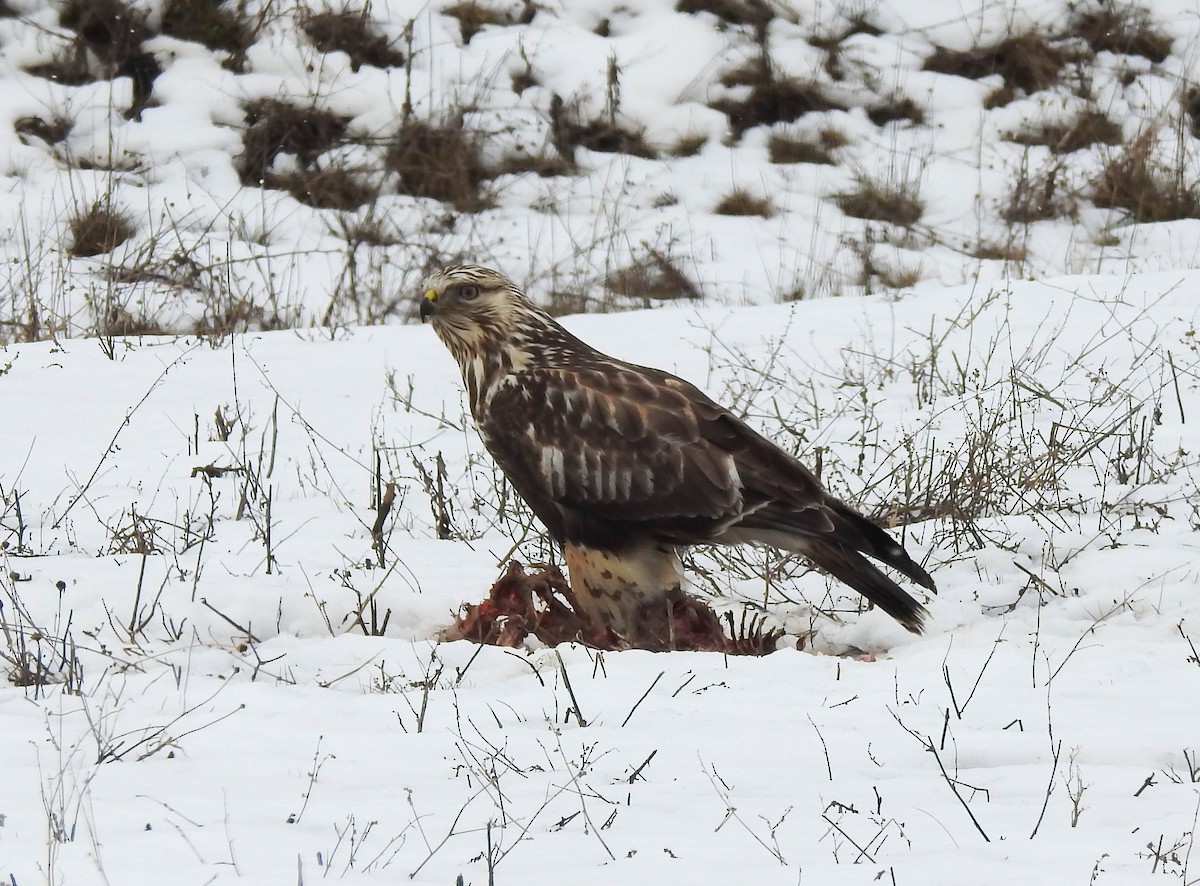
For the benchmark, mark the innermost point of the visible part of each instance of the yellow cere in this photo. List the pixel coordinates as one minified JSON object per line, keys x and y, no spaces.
{"x":431,"y":294}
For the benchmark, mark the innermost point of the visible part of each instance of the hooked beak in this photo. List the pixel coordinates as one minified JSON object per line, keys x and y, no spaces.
{"x":428,"y":305}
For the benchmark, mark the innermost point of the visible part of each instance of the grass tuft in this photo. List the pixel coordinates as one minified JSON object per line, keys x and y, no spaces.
{"x":895,"y":203}
{"x":774,"y":101}
{"x":656,"y":278}
{"x":473,"y":16}
{"x":607,"y":136}
{"x":1038,"y":197}
{"x":784,"y":148}
{"x":52,"y":131}
{"x":689,"y":145}
{"x":353,"y":33}
{"x":1028,"y":62}
{"x":741,"y":202}
{"x":277,"y":127}
{"x":1148,"y":190}
{"x":1122,"y":29}
{"x":441,"y":162}
{"x":98,"y":229}
{"x":896,"y":109}
{"x":1087,"y":128}
{"x":730,"y":12}
{"x":332,"y":187}
{"x":218,"y":24}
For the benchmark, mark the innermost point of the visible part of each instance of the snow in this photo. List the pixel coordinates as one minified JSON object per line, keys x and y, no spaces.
{"x":237,"y":684}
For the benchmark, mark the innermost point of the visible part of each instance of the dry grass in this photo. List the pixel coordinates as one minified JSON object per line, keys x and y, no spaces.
{"x":1087,"y":128}
{"x":1028,"y":62}
{"x":52,"y":131}
{"x":731,"y":12}
{"x":741,"y":202}
{"x":784,"y":148}
{"x":353,"y":33}
{"x":774,"y":101}
{"x":657,"y":277}
{"x":473,"y":16}
{"x":606,"y":136}
{"x":331,"y":187}
{"x":1010,"y":252}
{"x":222,"y":25}
{"x":896,"y":203}
{"x":441,"y":162}
{"x":1190,"y":105}
{"x":689,"y":145}
{"x":98,"y":229}
{"x":896,"y":109}
{"x":1148,"y":190}
{"x":1038,"y":197}
{"x":276,"y":127}
{"x":69,"y":68}
{"x":1122,"y":29}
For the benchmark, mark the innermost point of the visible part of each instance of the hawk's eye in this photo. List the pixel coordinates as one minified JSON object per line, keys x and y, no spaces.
{"x":468,"y":292}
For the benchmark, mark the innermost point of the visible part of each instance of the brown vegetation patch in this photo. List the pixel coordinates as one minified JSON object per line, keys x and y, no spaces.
{"x":896,"y":109}
{"x":774,"y":101}
{"x":739,"y":201}
{"x":441,"y":162}
{"x":69,"y":68}
{"x":541,"y":165}
{"x":118,"y":321}
{"x":1149,"y":191}
{"x":473,"y":16}
{"x":276,"y":127}
{"x":689,"y":145}
{"x":1122,"y":29}
{"x":859,"y":24}
{"x":881,"y":201}
{"x":52,"y":131}
{"x":1038,"y":197}
{"x":353,"y":33}
{"x":1090,"y":127}
{"x":1011,"y":252}
{"x":1191,"y":110}
{"x":654,"y":278}
{"x":98,"y":229}
{"x":1028,"y":62}
{"x":783,"y":148}
{"x":112,"y":29}
{"x":330,"y":188}
{"x":606,"y":136}
{"x":218,"y":24}
{"x":733,"y":12}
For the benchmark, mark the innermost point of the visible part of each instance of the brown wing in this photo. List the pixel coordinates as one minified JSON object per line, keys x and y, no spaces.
{"x":594,"y":449}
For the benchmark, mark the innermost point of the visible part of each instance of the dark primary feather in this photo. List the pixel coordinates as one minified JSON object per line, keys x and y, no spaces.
{"x":613,"y":456}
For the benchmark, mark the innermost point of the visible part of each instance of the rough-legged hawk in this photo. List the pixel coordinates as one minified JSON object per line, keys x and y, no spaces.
{"x":626,"y":465}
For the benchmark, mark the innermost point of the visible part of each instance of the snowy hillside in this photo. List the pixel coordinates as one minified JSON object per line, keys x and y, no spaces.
{"x":949,"y":258}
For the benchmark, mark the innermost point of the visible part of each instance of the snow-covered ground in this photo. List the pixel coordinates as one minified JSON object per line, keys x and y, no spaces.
{"x":216,"y":672}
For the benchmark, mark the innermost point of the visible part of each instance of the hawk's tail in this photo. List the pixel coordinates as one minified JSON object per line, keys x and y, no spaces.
{"x":839,"y":549}
{"x":858,"y":572}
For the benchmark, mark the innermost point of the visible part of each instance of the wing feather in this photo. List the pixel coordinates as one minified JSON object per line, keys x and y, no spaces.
{"x":613,"y":444}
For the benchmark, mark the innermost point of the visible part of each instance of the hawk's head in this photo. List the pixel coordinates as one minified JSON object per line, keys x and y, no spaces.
{"x":492,"y":329}
{"x":474,"y":309}
{"x":488,"y":325}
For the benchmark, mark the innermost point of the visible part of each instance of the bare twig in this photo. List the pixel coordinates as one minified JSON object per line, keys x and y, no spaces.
{"x":952,"y":783}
